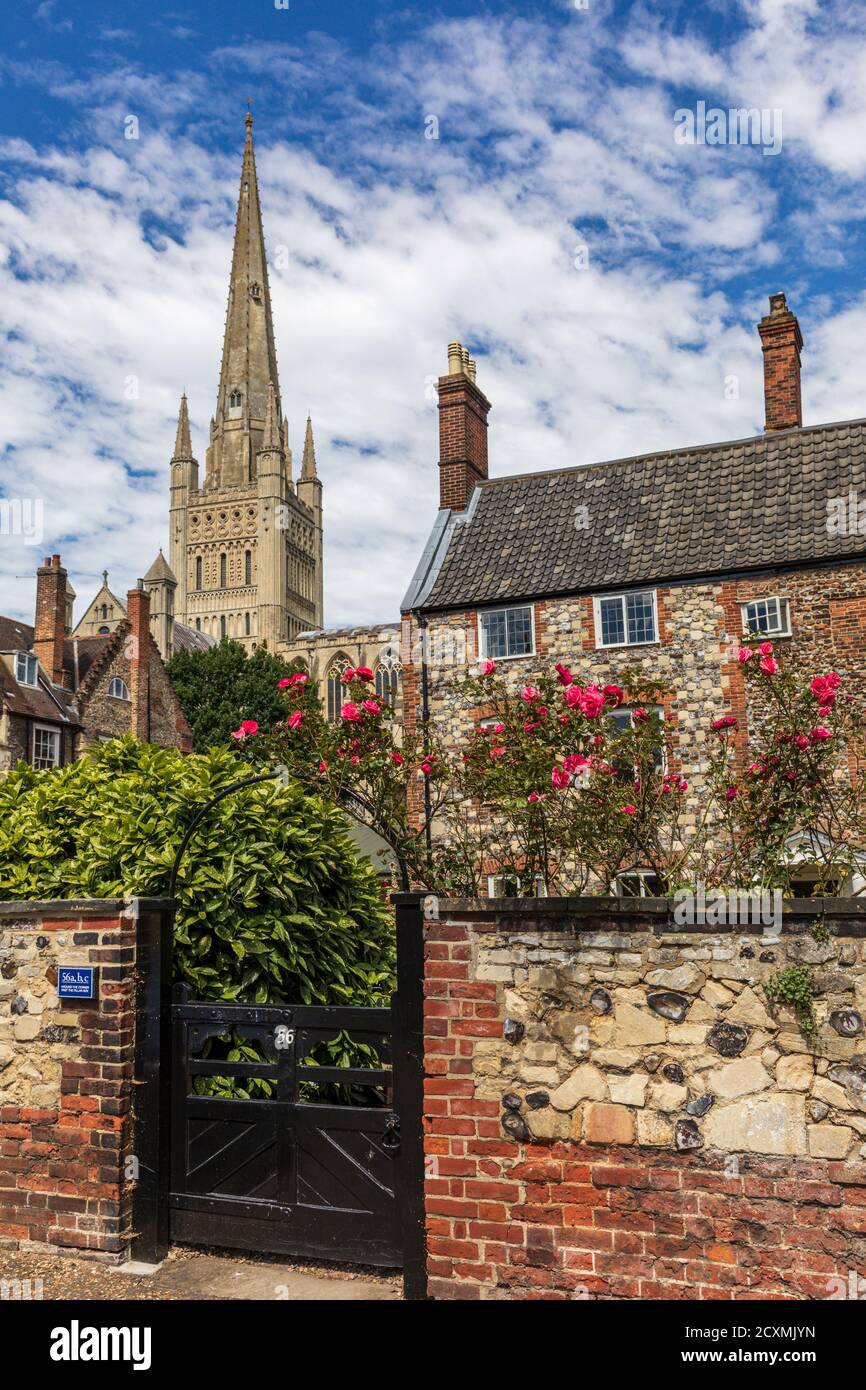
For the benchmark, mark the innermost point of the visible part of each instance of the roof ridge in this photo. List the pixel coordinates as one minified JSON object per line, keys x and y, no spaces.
{"x":673,"y":454}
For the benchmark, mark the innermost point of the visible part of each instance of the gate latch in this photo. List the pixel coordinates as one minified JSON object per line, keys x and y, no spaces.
{"x":391,"y":1137}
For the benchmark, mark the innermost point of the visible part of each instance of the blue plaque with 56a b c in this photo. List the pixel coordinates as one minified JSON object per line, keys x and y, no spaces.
{"x":76,"y":982}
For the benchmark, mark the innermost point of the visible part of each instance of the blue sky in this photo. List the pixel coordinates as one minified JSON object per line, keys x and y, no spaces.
{"x":607,"y":278}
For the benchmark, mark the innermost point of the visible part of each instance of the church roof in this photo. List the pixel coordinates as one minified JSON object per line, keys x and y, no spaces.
{"x":189,"y":639}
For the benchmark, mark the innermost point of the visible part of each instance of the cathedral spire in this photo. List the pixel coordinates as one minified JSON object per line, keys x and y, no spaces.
{"x":308,"y":467}
{"x":249,"y":359}
{"x":183,"y":440}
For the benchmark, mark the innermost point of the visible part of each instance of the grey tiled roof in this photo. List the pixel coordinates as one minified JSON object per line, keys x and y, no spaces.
{"x":749,"y":504}
{"x":189,"y":639}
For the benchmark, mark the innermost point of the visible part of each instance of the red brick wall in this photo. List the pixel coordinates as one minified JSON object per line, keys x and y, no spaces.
{"x":62,"y":1157}
{"x":463,"y":411}
{"x":560,"y":1219}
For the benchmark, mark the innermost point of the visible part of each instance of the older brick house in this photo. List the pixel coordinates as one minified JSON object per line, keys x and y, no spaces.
{"x":59,"y":694}
{"x":666,"y":559}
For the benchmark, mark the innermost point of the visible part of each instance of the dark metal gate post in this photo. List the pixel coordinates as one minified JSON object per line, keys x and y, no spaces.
{"x":151,"y":1122}
{"x":408,"y":1011}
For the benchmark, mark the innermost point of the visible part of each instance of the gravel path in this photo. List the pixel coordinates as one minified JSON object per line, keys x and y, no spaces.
{"x":194,"y":1274}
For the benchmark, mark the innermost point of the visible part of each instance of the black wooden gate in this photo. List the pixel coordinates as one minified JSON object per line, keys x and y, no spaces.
{"x":302,"y":1170}
{"x":316,"y":1161}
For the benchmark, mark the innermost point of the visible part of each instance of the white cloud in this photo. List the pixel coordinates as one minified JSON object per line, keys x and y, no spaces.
{"x":114,"y":259}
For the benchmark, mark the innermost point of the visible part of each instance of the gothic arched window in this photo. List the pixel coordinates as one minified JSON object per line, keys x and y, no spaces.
{"x":198,"y":572}
{"x":247,"y":624}
{"x":248,"y":567}
{"x":337,"y":691}
{"x":223,"y":570}
{"x":222,"y":627}
{"x":387,"y":684}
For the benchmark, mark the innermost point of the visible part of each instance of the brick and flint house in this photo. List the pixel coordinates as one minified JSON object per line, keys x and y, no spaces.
{"x":61,"y":693}
{"x":665,"y":559}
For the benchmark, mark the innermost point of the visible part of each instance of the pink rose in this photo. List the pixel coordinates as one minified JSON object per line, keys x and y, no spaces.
{"x":397,"y":759}
{"x":801,"y":741}
{"x":348,"y":675}
{"x":629,"y":810}
{"x":323,"y":767}
{"x":727,"y":721}
{"x":573,"y":696}
{"x":499,"y":728}
{"x":296,"y":720}
{"x":497,"y":752}
{"x":363,"y":673}
{"x":248,"y":728}
{"x":300,"y":678}
{"x":575,"y":762}
{"x":592,"y":702}
{"x":529,"y":693}
{"x":769,"y":664}
{"x":350,"y":713}
{"x":745,"y":654}
{"x":532,"y":798}
{"x":426,"y":769}
{"x":371,"y":706}
{"x":730,"y":793}
{"x":287,"y":680}
{"x":766,"y":649}
{"x":563,"y":675}
{"x":559,"y":777}
{"x":819,"y":734}
{"x":613,"y":694}
{"x":639,"y":716}
{"x":487,"y":667}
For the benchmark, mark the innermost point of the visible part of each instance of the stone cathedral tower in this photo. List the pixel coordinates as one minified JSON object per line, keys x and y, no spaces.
{"x":246,"y":547}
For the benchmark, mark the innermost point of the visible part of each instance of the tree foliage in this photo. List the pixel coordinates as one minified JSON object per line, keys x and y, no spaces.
{"x":218,"y":685}
{"x":274,"y":904}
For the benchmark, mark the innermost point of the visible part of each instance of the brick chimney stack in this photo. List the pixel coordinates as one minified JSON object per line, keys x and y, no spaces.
{"x":463,"y":411}
{"x":138,"y":613}
{"x":49,"y":629}
{"x":782,"y":343}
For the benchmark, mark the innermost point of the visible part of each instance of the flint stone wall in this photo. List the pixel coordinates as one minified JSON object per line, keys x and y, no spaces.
{"x":569,"y":1039}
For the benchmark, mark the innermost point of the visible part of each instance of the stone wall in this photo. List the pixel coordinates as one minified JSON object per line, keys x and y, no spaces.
{"x":66,"y":1072}
{"x":614,"y":1109}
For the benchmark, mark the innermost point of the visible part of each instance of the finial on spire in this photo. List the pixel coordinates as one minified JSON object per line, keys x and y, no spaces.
{"x":105,"y":579}
{"x":183,"y":440}
{"x":249,"y":115}
{"x":308,"y":466}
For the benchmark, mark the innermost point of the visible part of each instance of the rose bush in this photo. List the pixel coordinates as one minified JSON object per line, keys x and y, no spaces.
{"x":563,"y":787}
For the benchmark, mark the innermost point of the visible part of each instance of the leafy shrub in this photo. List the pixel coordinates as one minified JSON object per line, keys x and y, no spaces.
{"x":274,"y":904}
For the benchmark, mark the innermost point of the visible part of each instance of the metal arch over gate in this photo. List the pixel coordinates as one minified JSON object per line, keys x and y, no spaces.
{"x":288,"y":1173}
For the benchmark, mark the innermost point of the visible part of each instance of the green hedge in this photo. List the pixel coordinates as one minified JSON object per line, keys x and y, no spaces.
{"x":274,"y":904}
